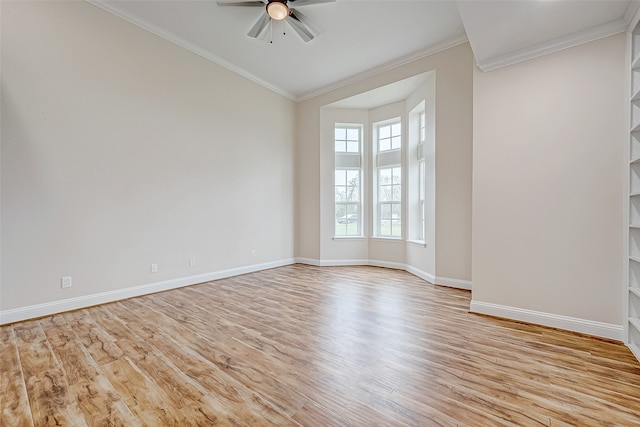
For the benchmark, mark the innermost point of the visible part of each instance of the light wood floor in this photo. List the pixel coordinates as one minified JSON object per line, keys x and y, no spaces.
{"x":301,"y":345}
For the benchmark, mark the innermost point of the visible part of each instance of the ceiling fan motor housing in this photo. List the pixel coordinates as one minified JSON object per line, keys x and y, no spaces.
{"x":278,"y":9}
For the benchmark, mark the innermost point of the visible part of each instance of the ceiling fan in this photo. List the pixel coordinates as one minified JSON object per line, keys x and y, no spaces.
{"x":279,"y":10}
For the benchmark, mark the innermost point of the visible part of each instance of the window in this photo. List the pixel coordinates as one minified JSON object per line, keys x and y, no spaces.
{"x":421,"y":177}
{"x":388,"y":177}
{"x":348,"y":180}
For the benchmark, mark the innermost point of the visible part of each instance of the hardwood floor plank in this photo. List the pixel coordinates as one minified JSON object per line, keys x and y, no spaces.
{"x":142,"y":396}
{"x":309,"y":346}
{"x":13,"y":393}
{"x":76,"y":363}
{"x":101,"y":404}
{"x":100,"y":344}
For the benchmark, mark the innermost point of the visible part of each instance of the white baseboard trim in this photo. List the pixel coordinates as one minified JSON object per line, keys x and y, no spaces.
{"x":453,"y":283}
{"x":387,"y":264}
{"x":599,"y":329}
{"x":308,"y":261}
{"x":50,"y":308}
{"x":341,"y":262}
{"x":443,"y":281}
{"x":421,"y":274}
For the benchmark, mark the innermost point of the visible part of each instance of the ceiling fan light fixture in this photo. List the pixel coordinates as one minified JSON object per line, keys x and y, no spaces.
{"x":277,"y":10}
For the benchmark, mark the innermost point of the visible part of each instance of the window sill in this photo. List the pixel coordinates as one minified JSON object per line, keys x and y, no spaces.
{"x":349,"y":238}
{"x":420,"y":243}
{"x":387,"y":239}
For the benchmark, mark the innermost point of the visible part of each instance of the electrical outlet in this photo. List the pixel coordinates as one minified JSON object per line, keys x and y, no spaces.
{"x":192,"y":262}
{"x":154,"y":268}
{"x":253,"y":253}
{"x":66,"y":282}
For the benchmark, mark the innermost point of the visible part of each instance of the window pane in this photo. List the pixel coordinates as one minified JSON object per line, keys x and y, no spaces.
{"x":395,"y":129}
{"x":353,"y":176}
{"x":386,"y":193}
{"x":397,"y":193}
{"x":340,"y":146}
{"x":384,"y":132}
{"x":353,"y":146}
{"x":385,"y":176}
{"x":397,"y":175}
{"x":395,"y":142}
{"x":341,"y":177}
{"x":353,"y":135}
{"x":340,"y":194}
{"x":385,"y":144}
{"x":341,"y":134}
{"x":385,"y":227}
{"x":421,"y":184}
{"x":385,"y":210}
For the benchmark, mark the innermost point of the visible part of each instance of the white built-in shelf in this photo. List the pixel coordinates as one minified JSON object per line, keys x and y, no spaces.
{"x":633,"y":331}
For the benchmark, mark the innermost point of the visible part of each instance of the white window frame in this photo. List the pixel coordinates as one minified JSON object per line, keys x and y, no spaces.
{"x":387,"y":148}
{"x":348,"y":161}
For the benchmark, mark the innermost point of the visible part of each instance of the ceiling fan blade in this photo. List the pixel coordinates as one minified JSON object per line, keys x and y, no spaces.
{"x":296,"y":3}
{"x":295,"y":20}
{"x":259,"y":26}
{"x":256,"y":3}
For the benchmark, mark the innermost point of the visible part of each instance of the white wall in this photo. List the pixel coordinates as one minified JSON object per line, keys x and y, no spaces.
{"x":547,"y":181}
{"x":120,"y":149}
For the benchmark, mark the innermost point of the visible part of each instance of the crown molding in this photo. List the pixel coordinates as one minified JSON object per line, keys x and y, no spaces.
{"x":186,"y":44}
{"x":632,"y":15}
{"x":431,"y":50}
{"x":571,"y":40}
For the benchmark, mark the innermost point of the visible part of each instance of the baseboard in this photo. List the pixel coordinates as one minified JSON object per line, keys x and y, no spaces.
{"x":341,"y":262}
{"x":599,"y":329}
{"x":387,"y":264}
{"x":308,"y":261}
{"x":443,"y":281}
{"x":453,"y":283}
{"x":50,"y":308}
{"x":428,"y":277}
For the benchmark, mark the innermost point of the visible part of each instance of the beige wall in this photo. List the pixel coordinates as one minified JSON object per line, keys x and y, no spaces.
{"x":547,"y":181}
{"x":120,"y":149}
{"x":454,"y":80}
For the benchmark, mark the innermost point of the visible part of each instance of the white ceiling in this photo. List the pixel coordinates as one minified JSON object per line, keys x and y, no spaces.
{"x":358,"y":38}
